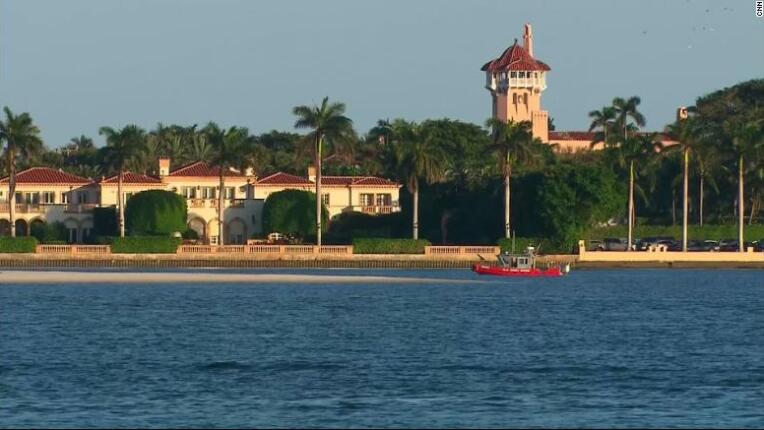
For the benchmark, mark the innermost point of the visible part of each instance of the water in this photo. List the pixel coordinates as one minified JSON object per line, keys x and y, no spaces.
{"x":596,"y":349}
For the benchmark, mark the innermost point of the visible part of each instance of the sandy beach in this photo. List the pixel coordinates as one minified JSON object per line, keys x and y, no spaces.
{"x":58,"y":277}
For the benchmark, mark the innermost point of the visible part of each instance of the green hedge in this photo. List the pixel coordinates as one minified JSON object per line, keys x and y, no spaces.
{"x":707,"y":232}
{"x":155,"y":213}
{"x":389,"y":246}
{"x":16,"y":245}
{"x":50,"y":234}
{"x":145,"y":245}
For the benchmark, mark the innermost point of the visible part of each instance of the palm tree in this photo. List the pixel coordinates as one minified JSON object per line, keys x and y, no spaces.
{"x":689,"y":133}
{"x":630,"y":154}
{"x":513,"y":143}
{"x":23,"y":142}
{"x":627,"y":115}
{"x":602,"y":121}
{"x":228,"y":146}
{"x":331,"y":128}
{"x":123,"y":146}
{"x":747,"y":144}
{"x":418,"y":157}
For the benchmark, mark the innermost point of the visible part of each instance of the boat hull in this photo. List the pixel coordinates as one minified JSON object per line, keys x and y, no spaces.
{"x":484,"y":269}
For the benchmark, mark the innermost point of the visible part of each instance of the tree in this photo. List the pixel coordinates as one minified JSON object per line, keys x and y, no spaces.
{"x":228,"y":146}
{"x":22,"y":143}
{"x":747,"y":144}
{"x":122,"y":147}
{"x":156,"y":213}
{"x":689,"y":133}
{"x":602,"y":121}
{"x":419,"y":156}
{"x":627,"y":115}
{"x":291,"y":212}
{"x":331,"y":128}
{"x":513,"y":143}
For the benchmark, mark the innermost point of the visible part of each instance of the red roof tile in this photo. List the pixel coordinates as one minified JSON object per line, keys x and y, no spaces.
{"x":281,"y":178}
{"x":201,"y":169}
{"x":515,"y":58}
{"x":131,"y":178}
{"x":46,"y":175}
{"x":343,"y":181}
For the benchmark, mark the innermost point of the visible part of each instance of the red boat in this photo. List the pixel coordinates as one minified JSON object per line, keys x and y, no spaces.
{"x":522,"y":265}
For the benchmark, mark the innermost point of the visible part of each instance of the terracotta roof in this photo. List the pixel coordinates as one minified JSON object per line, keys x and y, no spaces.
{"x":201,"y":169}
{"x":282,"y":178}
{"x":46,"y":175}
{"x":515,"y":58}
{"x":131,"y":178}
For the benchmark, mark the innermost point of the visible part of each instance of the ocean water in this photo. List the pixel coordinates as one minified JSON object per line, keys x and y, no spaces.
{"x":606,"y":348}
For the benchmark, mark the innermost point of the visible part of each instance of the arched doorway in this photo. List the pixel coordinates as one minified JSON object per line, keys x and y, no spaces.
{"x":22,"y":228}
{"x":236,"y":232}
{"x":199,"y":226}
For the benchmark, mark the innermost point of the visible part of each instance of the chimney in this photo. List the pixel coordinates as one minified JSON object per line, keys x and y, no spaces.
{"x":681,"y":113}
{"x":164,"y":167}
{"x":249,"y":171}
{"x":312,"y":173}
{"x":528,"y":39}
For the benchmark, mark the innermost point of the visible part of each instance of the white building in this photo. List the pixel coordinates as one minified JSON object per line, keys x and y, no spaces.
{"x":45,"y":195}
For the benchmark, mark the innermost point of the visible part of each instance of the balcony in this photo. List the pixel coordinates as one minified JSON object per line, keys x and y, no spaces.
{"x":213,"y":203}
{"x":375,"y":209}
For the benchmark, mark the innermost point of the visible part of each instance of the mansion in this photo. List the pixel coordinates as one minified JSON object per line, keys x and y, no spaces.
{"x":46,"y":195}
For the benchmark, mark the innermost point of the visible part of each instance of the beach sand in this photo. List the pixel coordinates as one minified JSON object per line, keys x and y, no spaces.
{"x":61,"y":277}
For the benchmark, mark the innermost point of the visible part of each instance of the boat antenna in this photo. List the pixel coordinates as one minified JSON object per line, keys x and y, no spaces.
{"x":513,"y":241}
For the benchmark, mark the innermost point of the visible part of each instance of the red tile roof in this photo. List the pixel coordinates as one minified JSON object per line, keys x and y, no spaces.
{"x":201,"y":169}
{"x":343,"y":181}
{"x":46,"y":175}
{"x":282,"y":178}
{"x":515,"y":58}
{"x":131,"y":178}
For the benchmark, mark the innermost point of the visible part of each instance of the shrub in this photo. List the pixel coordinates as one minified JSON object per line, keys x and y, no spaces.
{"x":16,"y":245}
{"x":707,"y":232}
{"x":190,"y":234}
{"x":347,"y":225}
{"x":105,"y":221}
{"x":145,"y":245}
{"x":292,"y":212}
{"x":155,"y":213}
{"x":389,"y":246}
{"x":51,"y":234}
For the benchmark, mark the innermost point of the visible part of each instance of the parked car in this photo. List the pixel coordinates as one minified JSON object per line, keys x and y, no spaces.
{"x":593,"y":245}
{"x":729,"y":245}
{"x":613,"y":244}
{"x":760,"y":246}
{"x":647,"y":242}
{"x":702,"y":246}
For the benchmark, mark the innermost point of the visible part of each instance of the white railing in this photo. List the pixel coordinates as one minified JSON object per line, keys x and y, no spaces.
{"x":73,"y":249}
{"x":461,"y":250}
{"x":267,"y":249}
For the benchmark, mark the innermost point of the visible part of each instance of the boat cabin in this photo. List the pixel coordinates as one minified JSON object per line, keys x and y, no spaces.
{"x":525,"y":261}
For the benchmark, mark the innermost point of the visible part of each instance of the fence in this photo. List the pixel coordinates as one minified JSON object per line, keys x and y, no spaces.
{"x":73,"y":249}
{"x":461,"y":250}
{"x":267,"y":249}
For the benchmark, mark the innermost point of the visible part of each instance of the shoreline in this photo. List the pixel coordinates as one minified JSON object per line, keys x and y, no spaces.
{"x":59,"y":277}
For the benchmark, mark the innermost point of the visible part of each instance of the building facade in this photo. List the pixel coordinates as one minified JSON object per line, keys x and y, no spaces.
{"x":45,"y":195}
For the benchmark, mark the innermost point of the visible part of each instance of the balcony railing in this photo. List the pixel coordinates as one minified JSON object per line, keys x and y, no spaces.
{"x":375,"y":209}
{"x":213,"y":203}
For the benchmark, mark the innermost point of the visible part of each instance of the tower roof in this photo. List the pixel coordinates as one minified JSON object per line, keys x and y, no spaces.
{"x":515,"y":58}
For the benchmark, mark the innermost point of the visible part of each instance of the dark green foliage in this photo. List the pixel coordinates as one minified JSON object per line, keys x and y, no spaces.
{"x":18,"y":244}
{"x":347,"y":225}
{"x":50,"y":234}
{"x":190,"y":234}
{"x":145,"y":245}
{"x":522,"y":243}
{"x":105,"y":221}
{"x":389,"y":246}
{"x":156,"y":213}
{"x":574,"y":198}
{"x":292,"y":212}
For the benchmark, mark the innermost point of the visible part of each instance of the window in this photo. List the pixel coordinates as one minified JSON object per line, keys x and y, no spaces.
{"x":325,"y":198}
{"x":82,"y":197}
{"x":367,"y":199}
{"x":230,"y":193}
{"x":384,"y":200}
{"x":188,"y":192}
{"x":513,"y":74}
{"x":49,"y":197}
{"x":64,"y":198}
{"x":525,"y":99}
{"x":514,"y":98}
{"x":209,"y":192}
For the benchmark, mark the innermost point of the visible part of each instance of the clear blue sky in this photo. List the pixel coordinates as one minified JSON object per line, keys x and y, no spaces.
{"x":76,"y":65}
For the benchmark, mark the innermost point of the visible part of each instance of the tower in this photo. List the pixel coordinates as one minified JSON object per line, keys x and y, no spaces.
{"x":516,"y":80}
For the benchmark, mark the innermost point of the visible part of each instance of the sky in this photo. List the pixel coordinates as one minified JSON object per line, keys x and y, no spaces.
{"x":77,"y":65}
